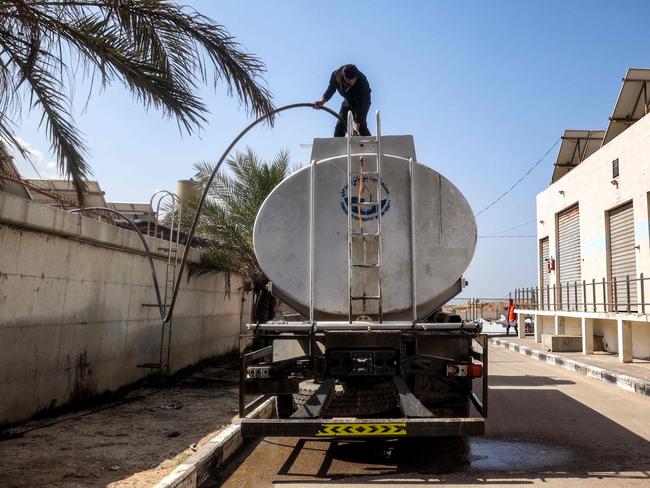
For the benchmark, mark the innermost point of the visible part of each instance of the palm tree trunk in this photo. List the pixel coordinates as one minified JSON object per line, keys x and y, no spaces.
{"x":264,"y":304}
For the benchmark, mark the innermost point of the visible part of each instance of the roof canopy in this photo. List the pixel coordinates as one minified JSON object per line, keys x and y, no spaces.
{"x":577,"y":145}
{"x":632,"y":104}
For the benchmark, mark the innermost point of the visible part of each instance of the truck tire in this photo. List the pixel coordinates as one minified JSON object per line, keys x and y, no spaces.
{"x":352,"y":399}
{"x":284,"y":406}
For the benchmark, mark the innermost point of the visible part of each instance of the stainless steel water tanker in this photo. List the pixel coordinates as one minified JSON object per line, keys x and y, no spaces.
{"x":431,"y":247}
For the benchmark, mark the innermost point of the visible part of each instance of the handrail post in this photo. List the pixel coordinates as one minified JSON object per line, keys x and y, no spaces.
{"x":380,"y":238}
{"x":412,"y":229}
{"x":568,"y":297}
{"x":642,"y":294}
{"x":584,"y":295}
{"x":605,"y":307}
{"x":312,"y":176}
{"x":593,"y":291}
{"x":615,"y":295}
{"x":348,"y":139}
{"x":627,"y":292}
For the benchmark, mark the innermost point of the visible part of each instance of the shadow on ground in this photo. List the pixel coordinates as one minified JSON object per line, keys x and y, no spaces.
{"x":540,"y":433}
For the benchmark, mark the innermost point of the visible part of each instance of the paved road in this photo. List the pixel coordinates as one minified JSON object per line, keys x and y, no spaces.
{"x":547,"y":426}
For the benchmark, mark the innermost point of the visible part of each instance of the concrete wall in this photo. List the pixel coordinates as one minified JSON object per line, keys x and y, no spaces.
{"x":607,"y":329}
{"x":589,"y":185}
{"x":546,"y":323}
{"x":72,"y":321}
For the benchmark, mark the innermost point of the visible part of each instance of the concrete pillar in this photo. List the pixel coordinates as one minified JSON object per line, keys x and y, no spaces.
{"x":521,"y":322}
{"x":539,"y":327}
{"x":587,"y":336}
{"x":624,"y":341}
{"x":559,"y":325}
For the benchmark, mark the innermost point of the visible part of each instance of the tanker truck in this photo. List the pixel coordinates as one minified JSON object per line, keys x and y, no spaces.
{"x":366,"y":244}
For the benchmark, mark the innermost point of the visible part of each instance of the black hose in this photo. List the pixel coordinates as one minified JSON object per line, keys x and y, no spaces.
{"x":147,"y":251}
{"x":188,"y":242}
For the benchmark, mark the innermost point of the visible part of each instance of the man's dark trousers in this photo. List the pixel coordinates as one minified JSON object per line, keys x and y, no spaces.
{"x":515,"y":326}
{"x":341,"y":125}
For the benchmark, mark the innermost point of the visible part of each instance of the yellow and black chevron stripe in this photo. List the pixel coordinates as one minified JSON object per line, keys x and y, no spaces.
{"x":351,"y":430}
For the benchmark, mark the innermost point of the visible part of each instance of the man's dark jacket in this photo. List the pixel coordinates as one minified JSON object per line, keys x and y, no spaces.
{"x":357,"y":96}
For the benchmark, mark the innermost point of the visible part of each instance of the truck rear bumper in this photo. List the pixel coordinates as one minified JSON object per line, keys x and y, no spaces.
{"x":362,"y":428}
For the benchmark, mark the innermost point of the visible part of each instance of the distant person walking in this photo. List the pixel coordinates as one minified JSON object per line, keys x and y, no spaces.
{"x":354,"y":88}
{"x":512,"y":319}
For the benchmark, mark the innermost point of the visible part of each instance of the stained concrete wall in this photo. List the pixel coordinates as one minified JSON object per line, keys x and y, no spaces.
{"x":72,"y":320}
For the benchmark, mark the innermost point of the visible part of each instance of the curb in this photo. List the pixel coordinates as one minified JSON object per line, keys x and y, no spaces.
{"x":204,"y":463}
{"x":624,"y":382}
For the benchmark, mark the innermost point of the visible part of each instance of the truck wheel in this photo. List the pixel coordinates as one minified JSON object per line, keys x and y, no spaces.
{"x":284,"y":406}
{"x":353,"y":399}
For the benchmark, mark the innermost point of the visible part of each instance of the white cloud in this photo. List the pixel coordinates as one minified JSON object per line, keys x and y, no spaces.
{"x":45,"y":166}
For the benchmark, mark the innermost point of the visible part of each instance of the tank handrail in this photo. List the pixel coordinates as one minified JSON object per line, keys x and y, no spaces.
{"x":322,"y":326}
{"x":332,"y":158}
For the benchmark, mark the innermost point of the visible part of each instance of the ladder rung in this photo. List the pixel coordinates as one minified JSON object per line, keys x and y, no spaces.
{"x":365,"y":266}
{"x":366,"y":204}
{"x":365,"y":234}
{"x":365,"y":173}
{"x":369,"y":297}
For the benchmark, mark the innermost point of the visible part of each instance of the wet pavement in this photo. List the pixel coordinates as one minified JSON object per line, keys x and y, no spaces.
{"x":546,"y":426}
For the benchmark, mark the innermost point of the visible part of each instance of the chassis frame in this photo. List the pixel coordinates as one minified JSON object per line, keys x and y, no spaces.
{"x":310,"y":420}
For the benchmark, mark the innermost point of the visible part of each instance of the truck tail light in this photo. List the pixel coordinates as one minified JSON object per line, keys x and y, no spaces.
{"x":466,"y":370}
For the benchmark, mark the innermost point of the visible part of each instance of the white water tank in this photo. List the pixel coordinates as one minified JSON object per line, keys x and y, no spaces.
{"x":444,"y":233}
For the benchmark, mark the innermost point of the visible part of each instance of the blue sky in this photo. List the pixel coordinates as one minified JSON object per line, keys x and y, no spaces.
{"x":485,"y":87}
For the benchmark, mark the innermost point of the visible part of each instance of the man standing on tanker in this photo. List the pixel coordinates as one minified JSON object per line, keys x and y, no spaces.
{"x":355,"y":90}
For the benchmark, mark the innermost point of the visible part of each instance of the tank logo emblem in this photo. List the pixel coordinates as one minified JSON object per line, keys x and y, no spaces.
{"x":365,"y":204}
{"x":351,"y":430}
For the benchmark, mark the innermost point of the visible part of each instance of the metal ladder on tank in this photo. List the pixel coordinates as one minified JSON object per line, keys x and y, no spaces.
{"x":361,"y":235}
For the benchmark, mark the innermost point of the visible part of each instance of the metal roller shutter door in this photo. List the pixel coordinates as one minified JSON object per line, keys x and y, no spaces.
{"x":622,"y":256}
{"x":543,"y":270}
{"x":569,"y":261}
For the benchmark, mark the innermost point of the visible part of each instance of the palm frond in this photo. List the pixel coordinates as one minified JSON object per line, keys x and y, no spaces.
{"x":159,"y":50}
{"x":229,"y":214}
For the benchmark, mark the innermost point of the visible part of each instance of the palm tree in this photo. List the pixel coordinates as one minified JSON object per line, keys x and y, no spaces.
{"x":228,"y":218}
{"x":159,"y":50}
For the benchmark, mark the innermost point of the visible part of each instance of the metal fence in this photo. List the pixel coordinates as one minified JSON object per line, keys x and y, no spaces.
{"x":615,"y":295}
{"x":471,"y":309}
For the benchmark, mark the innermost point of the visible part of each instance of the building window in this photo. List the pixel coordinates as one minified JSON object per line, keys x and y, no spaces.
{"x":615,"y":168}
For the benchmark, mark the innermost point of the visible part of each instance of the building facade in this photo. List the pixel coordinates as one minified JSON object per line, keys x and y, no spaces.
{"x":593,"y":230}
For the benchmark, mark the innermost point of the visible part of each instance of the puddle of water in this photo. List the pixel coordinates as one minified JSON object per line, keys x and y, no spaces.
{"x":498,"y":455}
{"x":452,"y":455}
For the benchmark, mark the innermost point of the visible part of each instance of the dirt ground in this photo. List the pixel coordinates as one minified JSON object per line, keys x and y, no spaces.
{"x":132,"y":442}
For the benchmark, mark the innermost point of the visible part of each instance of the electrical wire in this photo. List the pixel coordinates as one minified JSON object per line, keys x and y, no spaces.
{"x":514,"y":185}
{"x":513,"y":227}
{"x":501,"y":237}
